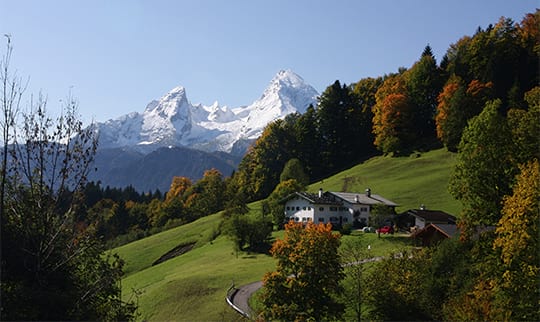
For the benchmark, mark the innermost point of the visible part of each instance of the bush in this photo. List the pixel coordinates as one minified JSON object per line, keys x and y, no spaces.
{"x":346,"y":229}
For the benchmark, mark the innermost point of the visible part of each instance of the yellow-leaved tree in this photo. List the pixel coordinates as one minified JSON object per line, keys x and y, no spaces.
{"x":307,"y":277}
{"x":518,"y":242}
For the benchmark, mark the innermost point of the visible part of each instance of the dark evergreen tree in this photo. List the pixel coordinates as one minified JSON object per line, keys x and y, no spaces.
{"x":308,"y":143}
{"x":364,"y":96}
{"x":424,"y":83}
{"x":336,"y":126}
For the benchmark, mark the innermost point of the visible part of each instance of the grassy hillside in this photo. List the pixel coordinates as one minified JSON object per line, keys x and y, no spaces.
{"x":408,"y":181}
{"x":193,"y":286}
{"x":142,"y":253}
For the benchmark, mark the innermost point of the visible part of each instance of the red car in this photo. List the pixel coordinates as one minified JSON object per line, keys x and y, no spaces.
{"x":385,"y":230}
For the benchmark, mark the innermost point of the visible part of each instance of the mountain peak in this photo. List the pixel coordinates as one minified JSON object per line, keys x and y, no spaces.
{"x":173,"y":120}
{"x":287,"y":78}
{"x":177,"y":94}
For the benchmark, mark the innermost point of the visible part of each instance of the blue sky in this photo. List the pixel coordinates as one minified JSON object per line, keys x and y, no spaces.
{"x":116,"y":56}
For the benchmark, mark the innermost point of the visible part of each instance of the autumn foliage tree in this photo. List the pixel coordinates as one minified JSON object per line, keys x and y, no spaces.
{"x":307,"y":277}
{"x":179,"y":186}
{"x":518,"y":243}
{"x":392,"y":116}
{"x":457,"y":104}
{"x":205,"y":197}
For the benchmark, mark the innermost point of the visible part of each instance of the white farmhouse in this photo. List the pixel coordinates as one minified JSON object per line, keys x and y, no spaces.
{"x":337,"y":208}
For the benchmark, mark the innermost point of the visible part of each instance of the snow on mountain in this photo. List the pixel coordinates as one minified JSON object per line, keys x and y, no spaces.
{"x":174,"y":121}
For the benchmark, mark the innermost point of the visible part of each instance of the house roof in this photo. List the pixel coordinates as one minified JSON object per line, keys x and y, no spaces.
{"x":432,"y":215}
{"x":362,"y":198}
{"x":338,"y":198}
{"x":449,"y":230}
{"x":315,"y":199}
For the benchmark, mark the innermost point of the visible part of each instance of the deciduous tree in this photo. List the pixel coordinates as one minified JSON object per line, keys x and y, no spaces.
{"x":525,"y":127}
{"x":353,"y":252}
{"x":485,"y":167}
{"x":307,"y":277}
{"x":392,"y":116}
{"x":518,"y":243}
{"x":273,"y":205}
{"x":294,"y":169}
{"x":51,"y":268}
{"x":179,"y":186}
{"x":457,"y":104}
{"x":206,"y":196}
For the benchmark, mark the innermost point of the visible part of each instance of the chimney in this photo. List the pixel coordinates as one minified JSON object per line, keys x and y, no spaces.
{"x":356,"y":199}
{"x":422,"y":207}
{"x":320,"y":193}
{"x":368,"y":192}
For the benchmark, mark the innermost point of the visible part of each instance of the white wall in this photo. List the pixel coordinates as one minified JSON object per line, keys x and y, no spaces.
{"x":299,"y":210}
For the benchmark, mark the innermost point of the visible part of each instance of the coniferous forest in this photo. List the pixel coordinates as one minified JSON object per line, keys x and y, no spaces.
{"x":481,"y":100}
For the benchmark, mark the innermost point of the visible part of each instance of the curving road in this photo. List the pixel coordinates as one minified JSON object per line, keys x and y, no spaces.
{"x":240,"y":299}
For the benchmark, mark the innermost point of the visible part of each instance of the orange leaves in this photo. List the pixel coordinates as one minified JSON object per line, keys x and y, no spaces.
{"x":457,"y":103}
{"x":477,"y":88}
{"x":179,"y":185}
{"x":392,"y":115}
{"x":529,"y":31}
{"x":479,"y":304}
{"x":443,"y":108}
{"x":308,"y":273}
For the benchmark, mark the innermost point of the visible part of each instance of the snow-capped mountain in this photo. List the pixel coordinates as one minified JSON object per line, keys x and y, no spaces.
{"x":174,"y":121}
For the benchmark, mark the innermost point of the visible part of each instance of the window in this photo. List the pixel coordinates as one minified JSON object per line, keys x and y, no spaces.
{"x":321,"y":219}
{"x":364,"y":209}
{"x":304,"y":219}
{"x":288,"y":208}
{"x":321,"y":209}
{"x":304,"y":208}
{"x":297,"y":208}
{"x":333,"y":208}
{"x":296,"y":219}
{"x":342,"y":209}
{"x":345,"y":219}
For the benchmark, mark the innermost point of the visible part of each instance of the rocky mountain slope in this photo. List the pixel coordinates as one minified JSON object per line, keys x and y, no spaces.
{"x":173,"y":137}
{"x":174,"y":121}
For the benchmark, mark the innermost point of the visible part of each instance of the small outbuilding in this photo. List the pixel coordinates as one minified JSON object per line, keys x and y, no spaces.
{"x":416,"y":219}
{"x":434,"y":233}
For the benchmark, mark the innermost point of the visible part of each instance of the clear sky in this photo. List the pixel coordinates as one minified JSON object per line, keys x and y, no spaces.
{"x":117,"y":55}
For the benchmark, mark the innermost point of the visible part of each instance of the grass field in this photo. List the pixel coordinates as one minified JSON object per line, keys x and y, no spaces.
{"x":192,"y":287}
{"x":142,"y":253}
{"x":408,"y":181}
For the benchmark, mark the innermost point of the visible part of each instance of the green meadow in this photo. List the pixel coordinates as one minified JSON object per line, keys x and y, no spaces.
{"x":421,"y":178}
{"x":193,"y":286}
